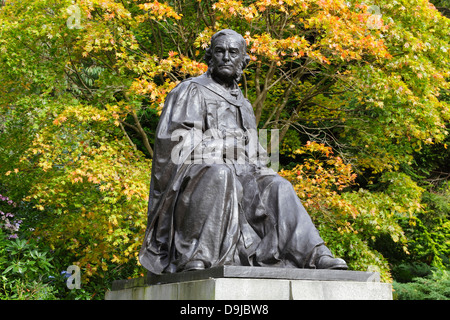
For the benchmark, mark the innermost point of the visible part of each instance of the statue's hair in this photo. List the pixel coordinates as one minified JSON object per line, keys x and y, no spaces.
{"x":227,"y":32}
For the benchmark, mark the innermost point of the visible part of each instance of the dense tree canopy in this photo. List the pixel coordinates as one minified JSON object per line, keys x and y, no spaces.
{"x":359,"y":94}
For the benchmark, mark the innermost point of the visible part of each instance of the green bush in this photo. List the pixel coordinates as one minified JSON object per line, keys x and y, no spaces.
{"x":407,"y":272}
{"x":428,"y":237}
{"x":434,"y":287}
{"x":24,"y":269}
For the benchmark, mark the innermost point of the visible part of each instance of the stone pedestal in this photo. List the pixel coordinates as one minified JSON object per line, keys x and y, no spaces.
{"x":254,"y":283}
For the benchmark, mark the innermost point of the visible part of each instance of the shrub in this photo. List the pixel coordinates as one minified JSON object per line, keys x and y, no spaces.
{"x":24,"y":269}
{"x":434,"y":287}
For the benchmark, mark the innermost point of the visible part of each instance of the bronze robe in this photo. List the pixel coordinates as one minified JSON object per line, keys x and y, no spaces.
{"x":219,"y":212}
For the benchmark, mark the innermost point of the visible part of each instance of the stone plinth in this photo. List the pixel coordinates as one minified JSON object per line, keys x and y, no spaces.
{"x":254,"y":283}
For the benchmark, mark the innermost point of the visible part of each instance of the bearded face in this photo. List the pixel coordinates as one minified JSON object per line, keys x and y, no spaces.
{"x":226,"y":57}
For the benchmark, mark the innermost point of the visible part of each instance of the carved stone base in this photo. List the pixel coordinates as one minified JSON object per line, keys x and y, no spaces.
{"x":254,"y":283}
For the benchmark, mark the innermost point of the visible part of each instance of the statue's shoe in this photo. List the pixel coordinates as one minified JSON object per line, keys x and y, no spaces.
{"x":327,"y":262}
{"x":194,"y":265}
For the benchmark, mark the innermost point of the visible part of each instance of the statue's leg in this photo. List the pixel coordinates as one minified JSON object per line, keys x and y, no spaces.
{"x":206,"y":217}
{"x":289,"y":237}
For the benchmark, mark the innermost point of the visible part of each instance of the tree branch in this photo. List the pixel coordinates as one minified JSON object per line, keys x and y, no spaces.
{"x":143,"y":134}
{"x":127,"y":136}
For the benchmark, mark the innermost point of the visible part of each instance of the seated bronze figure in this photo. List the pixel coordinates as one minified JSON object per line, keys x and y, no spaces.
{"x":208,"y":208}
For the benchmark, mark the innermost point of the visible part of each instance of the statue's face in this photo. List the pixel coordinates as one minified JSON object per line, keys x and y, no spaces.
{"x":227,"y":56}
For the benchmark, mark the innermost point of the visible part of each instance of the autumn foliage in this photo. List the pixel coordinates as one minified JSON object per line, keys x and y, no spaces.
{"x":358,"y":91}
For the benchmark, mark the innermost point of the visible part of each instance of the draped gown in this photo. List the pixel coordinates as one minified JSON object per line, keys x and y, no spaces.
{"x":220,"y":212}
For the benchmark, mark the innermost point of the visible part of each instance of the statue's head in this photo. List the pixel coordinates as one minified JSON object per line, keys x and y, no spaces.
{"x":226,"y":56}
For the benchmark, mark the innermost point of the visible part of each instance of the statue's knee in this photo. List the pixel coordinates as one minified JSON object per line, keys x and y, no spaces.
{"x":281,"y":184}
{"x":220,"y":172}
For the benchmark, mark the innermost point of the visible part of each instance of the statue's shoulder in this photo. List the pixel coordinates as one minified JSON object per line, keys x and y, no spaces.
{"x":202,"y":79}
{"x":182,"y":85}
{"x":185,"y":86}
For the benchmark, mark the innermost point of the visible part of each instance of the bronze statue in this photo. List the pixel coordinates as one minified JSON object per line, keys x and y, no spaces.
{"x":213,"y":200}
